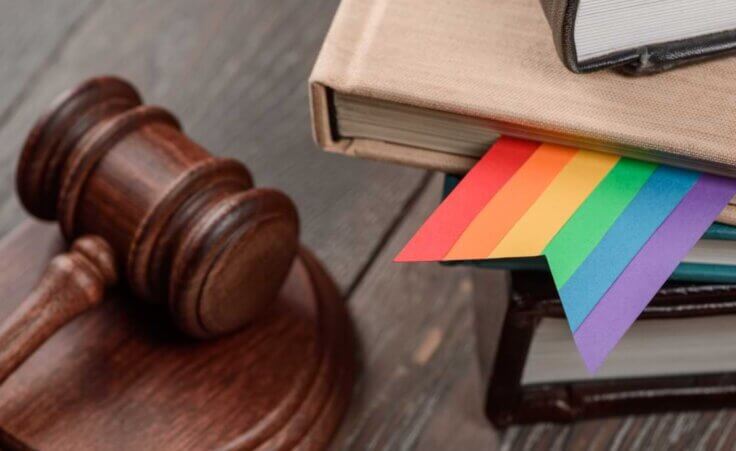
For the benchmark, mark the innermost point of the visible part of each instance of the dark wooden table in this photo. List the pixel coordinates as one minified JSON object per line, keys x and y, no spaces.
{"x":235,"y":72}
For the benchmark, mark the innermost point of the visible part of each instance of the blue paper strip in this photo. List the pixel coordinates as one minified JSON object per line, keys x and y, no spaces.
{"x":655,"y":201}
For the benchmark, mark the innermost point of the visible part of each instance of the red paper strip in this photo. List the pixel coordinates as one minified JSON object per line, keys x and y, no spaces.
{"x":443,"y":228}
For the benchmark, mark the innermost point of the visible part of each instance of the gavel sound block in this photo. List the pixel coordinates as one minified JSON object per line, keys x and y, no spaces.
{"x":154,"y":215}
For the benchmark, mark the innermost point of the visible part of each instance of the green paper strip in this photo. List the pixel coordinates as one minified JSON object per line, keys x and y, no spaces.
{"x":587,"y":226}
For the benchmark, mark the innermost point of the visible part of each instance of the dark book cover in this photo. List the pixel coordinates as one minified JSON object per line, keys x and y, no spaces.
{"x":562,"y":16}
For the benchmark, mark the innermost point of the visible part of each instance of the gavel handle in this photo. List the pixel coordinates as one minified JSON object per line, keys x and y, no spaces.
{"x":73,"y":283}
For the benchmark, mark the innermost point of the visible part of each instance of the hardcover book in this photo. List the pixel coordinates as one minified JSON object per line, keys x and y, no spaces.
{"x":435,"y":86}
{"x":640,"y":36}
{"x":677,"y":356}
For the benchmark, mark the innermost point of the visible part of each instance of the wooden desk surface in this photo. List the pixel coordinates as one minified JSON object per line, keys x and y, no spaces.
{"x":235,"y":72}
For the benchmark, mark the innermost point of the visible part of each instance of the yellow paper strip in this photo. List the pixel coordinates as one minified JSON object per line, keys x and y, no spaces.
{"x":503,"y":211}
{"x":556,"y":205}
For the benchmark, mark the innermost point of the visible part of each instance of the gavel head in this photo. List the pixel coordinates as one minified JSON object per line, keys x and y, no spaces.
{"x":186,"y":229}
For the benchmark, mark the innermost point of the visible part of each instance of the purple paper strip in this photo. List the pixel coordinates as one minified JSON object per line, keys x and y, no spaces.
{"x":651,"y":267}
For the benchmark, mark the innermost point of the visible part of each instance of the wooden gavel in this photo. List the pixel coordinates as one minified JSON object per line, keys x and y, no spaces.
{"x":143,"y":200}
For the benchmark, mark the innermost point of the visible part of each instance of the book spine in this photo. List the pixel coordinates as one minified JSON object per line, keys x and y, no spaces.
{"x":561,"y":18}
{"x":336,"y":66}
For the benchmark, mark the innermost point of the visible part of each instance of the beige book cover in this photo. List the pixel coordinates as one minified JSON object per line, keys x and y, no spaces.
{"x":489,"y":66}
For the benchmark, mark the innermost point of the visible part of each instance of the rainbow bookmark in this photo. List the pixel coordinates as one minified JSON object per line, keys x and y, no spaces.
{"x":612,"y":229}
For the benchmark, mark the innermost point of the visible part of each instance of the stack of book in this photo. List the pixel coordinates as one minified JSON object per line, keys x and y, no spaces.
{"x":435,"y":85}
{"x":678,"y":355}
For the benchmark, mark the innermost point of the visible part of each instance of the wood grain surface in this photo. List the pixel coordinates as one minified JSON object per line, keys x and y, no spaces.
{"x":236,"y":72}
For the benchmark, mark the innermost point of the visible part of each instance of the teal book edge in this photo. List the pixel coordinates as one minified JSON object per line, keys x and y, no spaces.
{"x":687,"y":272}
